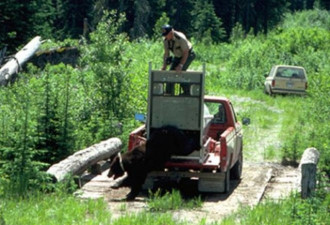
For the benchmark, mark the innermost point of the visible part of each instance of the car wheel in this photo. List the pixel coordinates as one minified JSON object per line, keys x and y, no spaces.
{"x":270,"y":92}
{"x":265,"y":90}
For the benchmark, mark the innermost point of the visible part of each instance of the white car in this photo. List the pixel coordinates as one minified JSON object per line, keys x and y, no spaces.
{"x":284,"y":79}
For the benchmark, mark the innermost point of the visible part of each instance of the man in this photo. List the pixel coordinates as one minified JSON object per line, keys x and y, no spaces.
{"x":220,"y":116}
{"x":177,"y":43}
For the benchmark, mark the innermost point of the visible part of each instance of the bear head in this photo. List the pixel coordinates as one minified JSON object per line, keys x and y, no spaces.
{"x":116,"y":167}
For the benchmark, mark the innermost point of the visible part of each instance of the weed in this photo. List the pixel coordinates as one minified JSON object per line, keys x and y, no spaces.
{"x":171,"y":201}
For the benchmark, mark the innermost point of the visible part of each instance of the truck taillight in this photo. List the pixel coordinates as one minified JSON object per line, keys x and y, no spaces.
{"x":273,"y":83}
{"x":306,"y":85}
{"x":223,"y":153}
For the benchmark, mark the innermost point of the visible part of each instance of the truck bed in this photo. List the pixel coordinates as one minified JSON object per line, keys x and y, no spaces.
{"x":206,"y":158}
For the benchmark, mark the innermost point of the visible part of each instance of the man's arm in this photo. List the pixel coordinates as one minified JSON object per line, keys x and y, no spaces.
{"x":183,"y":60}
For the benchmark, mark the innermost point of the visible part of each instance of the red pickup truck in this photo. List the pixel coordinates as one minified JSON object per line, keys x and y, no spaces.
{"x":210,"y":120}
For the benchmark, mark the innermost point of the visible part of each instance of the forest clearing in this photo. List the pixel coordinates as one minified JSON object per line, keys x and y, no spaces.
{"x":53,"y":109}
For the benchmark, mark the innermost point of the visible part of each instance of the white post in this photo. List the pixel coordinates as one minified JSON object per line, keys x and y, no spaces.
{"x":308,"y":165}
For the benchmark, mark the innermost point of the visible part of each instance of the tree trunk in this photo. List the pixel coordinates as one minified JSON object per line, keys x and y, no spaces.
{"x":13,"y":66}
{"x":77,"y":163}
{"x":308,"y":166}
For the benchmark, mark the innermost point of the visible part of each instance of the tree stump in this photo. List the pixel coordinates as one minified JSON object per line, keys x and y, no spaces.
{"x":77,"y":163}
{"x":308,"y":165}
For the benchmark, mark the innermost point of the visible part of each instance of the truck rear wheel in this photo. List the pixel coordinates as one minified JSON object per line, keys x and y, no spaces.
{"x":236,"y":171}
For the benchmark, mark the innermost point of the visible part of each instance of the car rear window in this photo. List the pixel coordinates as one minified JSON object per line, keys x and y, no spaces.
{"x":290,"y":72}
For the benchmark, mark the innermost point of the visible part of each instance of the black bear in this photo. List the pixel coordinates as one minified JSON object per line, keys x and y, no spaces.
{"x":162,"y":144}
{"x":165,"y":142}
{"x":133,"y":163}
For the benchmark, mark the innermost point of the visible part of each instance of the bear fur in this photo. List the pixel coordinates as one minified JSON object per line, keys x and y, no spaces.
{"x":165,"y":142}
{"x":150,"y":156}
{"x":133,"y":164}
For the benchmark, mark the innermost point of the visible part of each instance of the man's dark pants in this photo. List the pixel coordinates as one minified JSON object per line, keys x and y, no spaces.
{"x":175,"y":63}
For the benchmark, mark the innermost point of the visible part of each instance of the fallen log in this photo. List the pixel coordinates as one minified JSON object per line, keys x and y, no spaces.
{"x":77,"y":163}
{"x":13,"y":66}
{"x":308,"y":164}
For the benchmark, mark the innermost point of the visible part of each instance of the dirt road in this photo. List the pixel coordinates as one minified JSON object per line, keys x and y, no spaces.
{"x":259,"y":181}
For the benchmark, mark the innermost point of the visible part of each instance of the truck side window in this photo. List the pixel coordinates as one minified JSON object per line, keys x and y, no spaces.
{"x":218,"y":111}
{"x":220,"y":115}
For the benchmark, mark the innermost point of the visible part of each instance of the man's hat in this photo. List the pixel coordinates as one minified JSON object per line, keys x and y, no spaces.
{"x":166,"y":29}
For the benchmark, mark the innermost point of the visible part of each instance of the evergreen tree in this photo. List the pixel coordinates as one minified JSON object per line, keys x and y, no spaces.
{"x":70,"y":15}
{"x":159,"y":23}
{"x":224,"y":9}
{"x":105,"y":61}
{"x":181,"y":16}
{"x":259,"y":15}
{"x":207,"y":26}
{"x":269,"y":13}
{"x":14,"y":20}
{"x":42,"y":18}
{"x":325,"y":4}
{"x":141,"y":16}
{"x":48,"y":124}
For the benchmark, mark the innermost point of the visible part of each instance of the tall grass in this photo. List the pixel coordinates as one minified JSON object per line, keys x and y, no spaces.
{"x":53,"y":209}
{"x":62,"y":208}
{"x":171,"y":201}
{"x":294,"y":210}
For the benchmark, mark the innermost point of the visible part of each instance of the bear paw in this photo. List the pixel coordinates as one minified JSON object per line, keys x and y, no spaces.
{"x":115,"y":185}
{"x":131,"y":196}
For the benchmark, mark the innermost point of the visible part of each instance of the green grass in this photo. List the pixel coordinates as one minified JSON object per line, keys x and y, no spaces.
{"x":66,"y":209}
{"x":171,"y":201}
{"x":59,"y":208}
{"x":271,"y":153}
{"x":54,"y":209}
{"x":293,"y":211}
